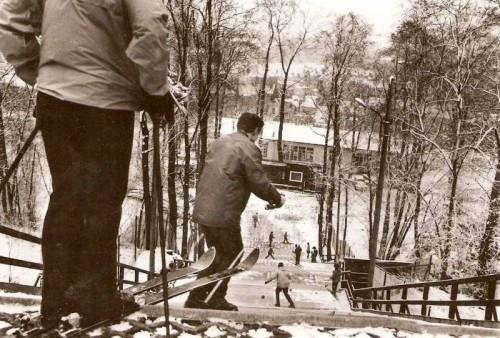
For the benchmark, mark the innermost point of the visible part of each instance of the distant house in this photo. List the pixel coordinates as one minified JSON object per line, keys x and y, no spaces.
{"x":303,"y":149}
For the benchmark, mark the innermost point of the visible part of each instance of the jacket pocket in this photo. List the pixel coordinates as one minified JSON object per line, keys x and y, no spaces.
{"x":112,"y":6}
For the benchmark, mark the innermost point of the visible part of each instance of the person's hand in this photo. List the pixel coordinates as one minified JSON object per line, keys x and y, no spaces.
{"x":159,"y":108}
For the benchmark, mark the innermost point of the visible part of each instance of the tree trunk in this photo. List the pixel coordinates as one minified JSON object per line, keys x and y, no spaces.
{"x":172,"y":193}
{"x":323,"y":185}
{"x":486,"y":249}
{"x":282,"y":119}
{"x":416,"y":221}
{"x":262,"y":92}
{"x":445,"y":252}
{"x":337,"y":232}
{"x":185,"y":189}
{"x":146,"y":195}
{"x":385,"y":228}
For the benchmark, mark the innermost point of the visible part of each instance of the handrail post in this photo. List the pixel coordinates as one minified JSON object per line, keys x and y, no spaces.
{"x":121,"y":276}
{"x":490,"y":308}
{"x":403,"y":308}
{"x":453,"y":308}
{"x":423,"y":311}
{"x":388,"y":307}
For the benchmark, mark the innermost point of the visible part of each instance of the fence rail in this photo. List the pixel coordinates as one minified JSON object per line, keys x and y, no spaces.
{"x":379,"y":298}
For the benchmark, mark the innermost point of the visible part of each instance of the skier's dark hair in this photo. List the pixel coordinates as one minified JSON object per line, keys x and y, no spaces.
{"x":280,"y":265}
{"x":248,"y":122}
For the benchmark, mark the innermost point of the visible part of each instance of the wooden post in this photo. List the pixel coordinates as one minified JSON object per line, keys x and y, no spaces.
{"x":136,"y":276}
{"x":388,"y":307}
{"x":453,"y":308}
{"x":374,"y":296}
{"x":403,"y":308}
{"x":490,"y":295}
{"x":121,"y":276}
{"x":423,"y":311}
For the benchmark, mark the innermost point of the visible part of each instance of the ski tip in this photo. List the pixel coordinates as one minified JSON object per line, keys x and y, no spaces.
{"x":207,"y":257}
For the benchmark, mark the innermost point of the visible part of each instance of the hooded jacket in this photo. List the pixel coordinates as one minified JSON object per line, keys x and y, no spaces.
{"x":100,"y":53}
{"x":233,"y":169}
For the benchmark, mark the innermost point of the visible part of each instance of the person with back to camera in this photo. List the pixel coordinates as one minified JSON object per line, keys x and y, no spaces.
{"x":282,"y":285}
{"x":96,"y":63}
{"x":233,"y":170}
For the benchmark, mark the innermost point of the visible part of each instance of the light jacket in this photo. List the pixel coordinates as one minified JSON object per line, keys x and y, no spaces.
{"x":100,"y":53}
{"x":282,"y":279}
{"x":233,"y":169}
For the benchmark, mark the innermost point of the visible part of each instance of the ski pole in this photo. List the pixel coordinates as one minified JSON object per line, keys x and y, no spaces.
{"x":159,"y":198}
{"x":233,"y":263}
{"x":19,"y":156}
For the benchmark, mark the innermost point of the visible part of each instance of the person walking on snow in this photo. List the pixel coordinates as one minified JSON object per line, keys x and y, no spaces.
{"x":255,"y":219}
{"x":282,"y":285}
{"x":233,"y":170}
{"x":271,"y":237}
{"x":285,"y":238}
{"x":314,"y":255}
{"x":93,"y":68}
{"x":308,"y":249}
{"x":336,"y":276}
{"x":270,"y":252}
{"x":297,"y":252}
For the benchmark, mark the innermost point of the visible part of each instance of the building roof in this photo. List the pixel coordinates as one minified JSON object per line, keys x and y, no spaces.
{"x":306,"y":134}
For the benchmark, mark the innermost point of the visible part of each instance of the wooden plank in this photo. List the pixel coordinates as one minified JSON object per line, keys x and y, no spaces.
{"x":21,"y":263}
{"x":19,"y":234}
{"x":11,"y":287}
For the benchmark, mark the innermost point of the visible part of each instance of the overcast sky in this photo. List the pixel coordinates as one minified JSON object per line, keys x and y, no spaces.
{"x":382,"y":15}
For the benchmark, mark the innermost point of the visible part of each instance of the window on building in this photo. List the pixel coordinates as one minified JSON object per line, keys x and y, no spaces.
{"x":298,"y":153}
{"x":296,"y":176}
{"x":263,"y":148}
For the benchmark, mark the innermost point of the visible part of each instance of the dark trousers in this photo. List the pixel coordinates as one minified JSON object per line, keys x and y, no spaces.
{"x":88,"y":152}
{"x":297,"y":259}
{"x":228,"y":244}
{"x":287,"y":296}
{"x":270,"y":255}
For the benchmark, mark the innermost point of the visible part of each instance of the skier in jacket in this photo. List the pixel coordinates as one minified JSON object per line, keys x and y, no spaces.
{"x":98,"y":62}
{"x":233,"y":170}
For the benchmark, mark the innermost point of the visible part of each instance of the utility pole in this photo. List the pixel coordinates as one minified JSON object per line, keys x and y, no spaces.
{"x":386,"y":130}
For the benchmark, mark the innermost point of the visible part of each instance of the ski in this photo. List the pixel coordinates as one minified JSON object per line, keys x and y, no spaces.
{"x":245,"y":265}
{"x":202,"y":264}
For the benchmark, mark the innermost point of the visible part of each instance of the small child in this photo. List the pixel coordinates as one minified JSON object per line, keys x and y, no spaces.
{"x":282,"y":284}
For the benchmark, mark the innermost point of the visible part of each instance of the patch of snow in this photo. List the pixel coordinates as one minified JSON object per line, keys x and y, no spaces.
{"x":4,"y":325}
{"x":96,"y":333}
{"x":162,"y":331}
{"x":142,"y":334}
{"x":260,"y":333}
{"x":214,"y":331}
{"x":188,"y":335}
{"x":304,"y":331}
{"x":121,"y":327}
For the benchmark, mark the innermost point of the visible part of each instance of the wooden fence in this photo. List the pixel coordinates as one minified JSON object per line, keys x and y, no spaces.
{"x":378,"y":299}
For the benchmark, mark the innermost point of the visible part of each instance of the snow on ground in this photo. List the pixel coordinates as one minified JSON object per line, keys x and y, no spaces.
{"x":299,"y":218}
{"x":15,"y":248}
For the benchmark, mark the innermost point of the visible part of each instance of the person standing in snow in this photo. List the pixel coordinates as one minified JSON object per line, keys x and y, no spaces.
{"x":255,"y":219}
{"x":314,"y":255}
{"x":233,"y":170}
{"x":271,"y":237}
{"x":308,"y":249}
{"x":297,"y":251}
{"x":97,"y":63}
{"x":282,"y":285}
{"x":336,"y":274}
